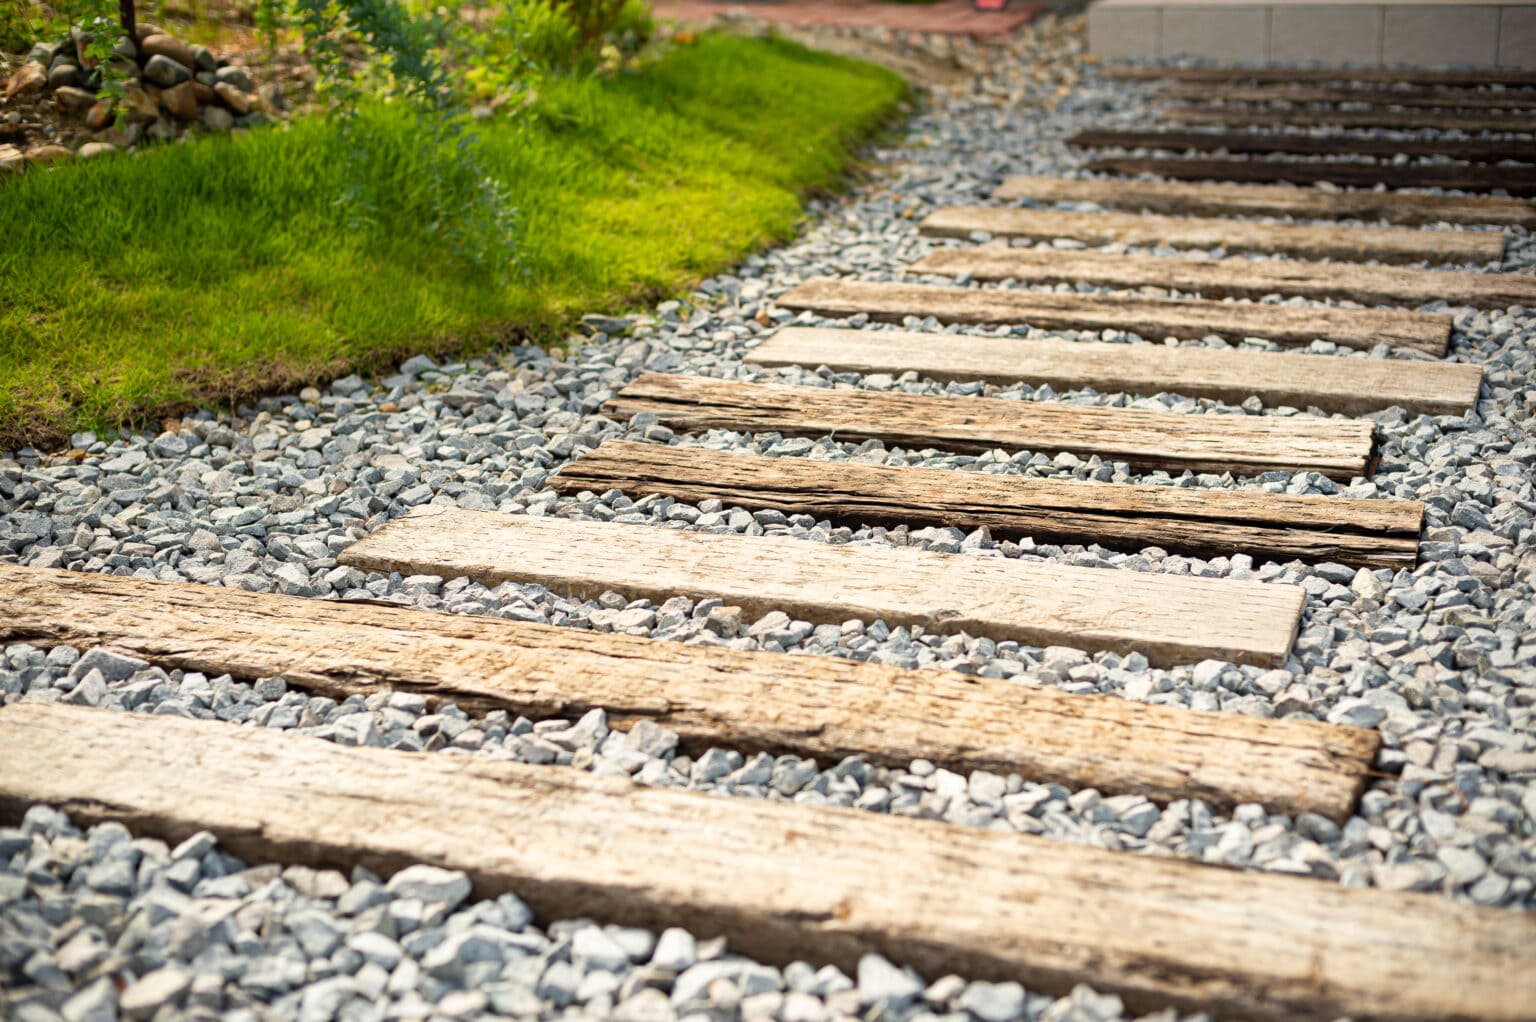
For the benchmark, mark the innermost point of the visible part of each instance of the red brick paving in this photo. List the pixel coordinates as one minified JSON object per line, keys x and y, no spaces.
{"x":952,"y":17}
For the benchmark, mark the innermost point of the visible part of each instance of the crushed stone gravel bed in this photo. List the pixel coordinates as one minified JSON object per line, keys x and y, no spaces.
{"x":1441,"y":659}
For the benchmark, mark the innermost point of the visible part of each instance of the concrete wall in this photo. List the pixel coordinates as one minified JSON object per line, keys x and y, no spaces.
{"x":1420,"y":32}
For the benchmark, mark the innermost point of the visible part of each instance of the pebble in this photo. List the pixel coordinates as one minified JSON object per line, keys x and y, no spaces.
{"x":1436,"y":659}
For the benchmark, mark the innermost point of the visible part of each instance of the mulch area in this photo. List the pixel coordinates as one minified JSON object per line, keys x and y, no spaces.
{"x":952,"y":17}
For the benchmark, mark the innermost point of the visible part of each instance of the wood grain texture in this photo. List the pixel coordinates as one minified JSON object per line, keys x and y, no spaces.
{"x":1464,"y":177}
{"x":1209,"y":523}
{"x":1224,"y":199}
{"x":1169,"y":618}
{"x":1508,"y":77}
{"x":1472,"y":150}
{"x":1415,"y":96}
{"x":1237,"y":278}
{"x":1306,"y":241}
{"x":822,"y":707}
{"x":1348,"y":385}
{"x":1151,"y":318}
{"x":1241,"y":444}
{"x":1400,"y":120}
{"x":788,"y":882}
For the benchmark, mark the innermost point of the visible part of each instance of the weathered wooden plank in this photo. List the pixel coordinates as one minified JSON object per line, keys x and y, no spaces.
{"x":1348,"y":385}
{"x":1169,"y":618}
{"x":1271,"y":200}
{"x":1508,"y":77}
{"x":788,"y":882}
{"x":1243,"y":445}
{"x":1211,"y":523}
{"x":1152,"y":318}
{"x":1466,"y":177}
{"x":1237,"y":278}
{"x":1475,"y":150}
{"x":1400,"y":120}
{"x":1306,"y":241}
{"x":1418,"y":96}
{"x":822,"y":707}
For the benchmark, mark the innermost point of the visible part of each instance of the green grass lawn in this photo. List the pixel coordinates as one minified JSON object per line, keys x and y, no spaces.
{"x":134,"y":288}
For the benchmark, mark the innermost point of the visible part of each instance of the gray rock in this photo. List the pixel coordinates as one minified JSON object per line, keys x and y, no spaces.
{"x":883,"y":985}
{"x":430,"y":884}
{"x":150,"y":993}
{"x":165,"y":72}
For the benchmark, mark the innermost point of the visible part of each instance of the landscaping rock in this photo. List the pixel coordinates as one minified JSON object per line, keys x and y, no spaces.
{"x":233,"y":98}
{"x":216,"y":119}
{"x":71,"y":98}
{"x":180,"y":101}
{"x":31,"y":78}
{"x":168,"y":46}
{"x":164,"y":71}
{"x":44,"y":155}
{"x":239,"y":77}
{"x":99,"y":117}
{"x":61,"y":75}
{"x":11,"y":160}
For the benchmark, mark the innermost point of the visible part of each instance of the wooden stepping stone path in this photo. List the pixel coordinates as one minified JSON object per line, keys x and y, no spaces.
{"x":1472,"y":150}
{"x":1236,"y":278}
{"x":1168,"y":618}
{"x":1348,"y":385}
{"x":1217,"y":199}
{"x":788,"y":882}
{"x":1209,"y":523}
{"x":1306,"y":241}
{"x":1151,"y":318}
{"x":1398,"y":120}
{"x":1415,"y":96}
{"x":1242,"y":444}
{"x":1506,"y":77}
{"x":822,"y":707}
{"x":1464,"y":177}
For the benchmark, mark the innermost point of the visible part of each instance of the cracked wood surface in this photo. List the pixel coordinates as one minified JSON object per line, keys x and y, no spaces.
{"x":788,"y":882}
{"x":1169,"y":618}
{"x":1242,"y":444}
{"x":1461,"y":177}
{"x":821,"y":707}
{"x":1287,"y":92}
{"x":1211,"y":523}
{"x":1508,"y":77}
{"x":1475,"y":150}
{"x":1238,"y":278}
{"x":1220,"y":199}
{"x":1348,"y":385}
{"x":1471,"y":121}
{"x":1151,"y":318}
{"x":1306,"y":241}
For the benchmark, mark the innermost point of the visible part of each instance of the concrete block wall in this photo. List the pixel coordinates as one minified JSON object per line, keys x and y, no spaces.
{"x":1476,"y":33}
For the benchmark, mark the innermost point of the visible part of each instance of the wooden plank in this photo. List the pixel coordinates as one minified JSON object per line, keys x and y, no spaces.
{"x":1472,"y":150}
{"x":1208,"y":523}
{"x":1222,"y":200}
{"x":1508,"y":77}
{"x":1152,"y":318}
{"x":1306,"y":241}
{"x":1399,"y":120}
{"x":822,"y":707}
{"x":1236,"y":278}
{"x":787,"y":882}
{"x":1348,"y":385}
{"x":1169,"y":618}
{"x":1420,"y":96}
{"x":1241,"y":444}
{"x":1466,"y":177}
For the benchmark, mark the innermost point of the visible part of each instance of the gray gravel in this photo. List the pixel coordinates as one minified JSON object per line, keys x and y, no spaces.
{"x":1440,"y":659}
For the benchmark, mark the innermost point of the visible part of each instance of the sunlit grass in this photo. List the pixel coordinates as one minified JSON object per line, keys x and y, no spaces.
{"x":133,"y":288}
